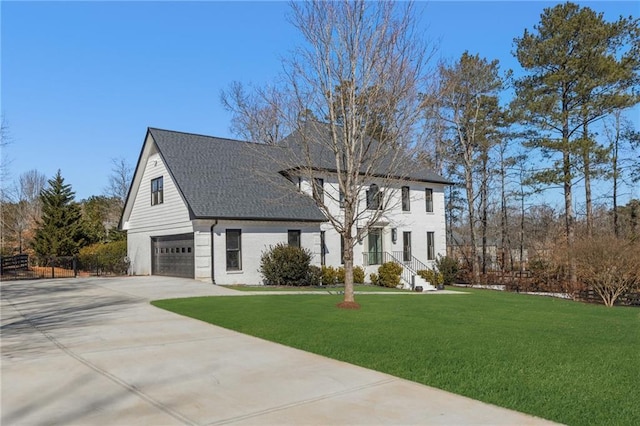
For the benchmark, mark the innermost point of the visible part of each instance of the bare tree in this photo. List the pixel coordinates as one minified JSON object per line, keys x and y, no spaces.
{"x":608,"y":265}
{"x":256,"y":115}
{"x":360,"y":70}
{"x":121,"y":174}
{"x":22,"y":209}
{"x":467,"y":106}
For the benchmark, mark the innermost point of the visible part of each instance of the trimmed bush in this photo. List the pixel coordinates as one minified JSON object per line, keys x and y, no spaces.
{"x":449,"y":268}
{"x":433,"y":277}
{"x":374,"y":279}
{"x":314,"y":275}
{"x":105,"y":258}
{"x":358,"y":275}
{"x":340,"y":274}
{"x":329,"y":275}
{"x":283,"y":264}
{"x":389,"y":274}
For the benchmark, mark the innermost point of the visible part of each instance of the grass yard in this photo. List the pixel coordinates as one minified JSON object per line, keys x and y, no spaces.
{"x":565,"y":361}
{"x":332,"y":289}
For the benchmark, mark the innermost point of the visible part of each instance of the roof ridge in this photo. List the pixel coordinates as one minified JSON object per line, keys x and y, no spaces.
{"x":210,"y":136}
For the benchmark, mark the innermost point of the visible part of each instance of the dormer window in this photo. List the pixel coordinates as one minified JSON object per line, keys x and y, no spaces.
{"x":374,"y":198}
{"x":157,"y":191}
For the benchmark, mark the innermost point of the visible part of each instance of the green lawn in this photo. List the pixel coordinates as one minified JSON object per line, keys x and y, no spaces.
{"x":565,"y":361}
{"x":331,"y":289}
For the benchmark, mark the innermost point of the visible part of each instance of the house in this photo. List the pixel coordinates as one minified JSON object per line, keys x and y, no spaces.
{"x":207,"y":208}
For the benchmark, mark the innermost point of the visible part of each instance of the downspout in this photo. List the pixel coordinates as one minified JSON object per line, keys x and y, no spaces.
{"x":213,"y":268}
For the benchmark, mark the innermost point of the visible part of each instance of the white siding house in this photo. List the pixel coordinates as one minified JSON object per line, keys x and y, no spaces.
{"x":207,"y":208}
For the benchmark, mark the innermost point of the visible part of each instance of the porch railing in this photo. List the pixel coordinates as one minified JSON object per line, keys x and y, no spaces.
{"x":409,"y":267}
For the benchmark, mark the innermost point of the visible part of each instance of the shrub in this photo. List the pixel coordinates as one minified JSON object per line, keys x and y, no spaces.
{"x":314,"y":275}
{"x":608,"y":265}
{"x":358,"y":275}
{"x":105,"y":257}
{"x":389,"y":274}
{"x":374,"y":279}
{"x":340,"y":274}
{"x":328,"y":275}
{"x":448,"y":268}
{"x":283,"y":264}
{"x":433,"y":277}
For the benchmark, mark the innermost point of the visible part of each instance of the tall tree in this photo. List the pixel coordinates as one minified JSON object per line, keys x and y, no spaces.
{"x":579,"y":68}
{"x":466,"y":103}
{"x":256,"y":116}
{"x":60,"y":231}
{"x":376,"y":48}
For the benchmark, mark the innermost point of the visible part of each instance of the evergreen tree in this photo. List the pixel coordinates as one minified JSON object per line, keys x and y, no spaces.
{"x":580,"y":68}
{"x":60,"y":230}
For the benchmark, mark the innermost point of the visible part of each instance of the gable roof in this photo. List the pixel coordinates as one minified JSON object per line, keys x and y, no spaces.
{"x":224,"y":178}
{"x":310,"y":141}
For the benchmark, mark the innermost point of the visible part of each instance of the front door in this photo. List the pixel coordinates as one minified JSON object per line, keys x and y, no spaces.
{"x":375,"y":246}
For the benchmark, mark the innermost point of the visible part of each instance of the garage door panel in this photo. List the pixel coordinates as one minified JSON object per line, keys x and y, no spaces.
{"x":173,"y":255}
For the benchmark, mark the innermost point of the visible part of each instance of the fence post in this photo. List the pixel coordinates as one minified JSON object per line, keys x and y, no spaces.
{"x":53,"y":269}
{"x":75,"y":267}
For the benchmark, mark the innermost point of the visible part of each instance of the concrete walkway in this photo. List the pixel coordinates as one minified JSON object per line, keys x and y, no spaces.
{"x":95,"y":352}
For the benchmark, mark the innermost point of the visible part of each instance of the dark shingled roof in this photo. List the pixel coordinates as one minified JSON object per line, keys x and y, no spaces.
{"x":223,"y":178}
{"x":313,"y":136}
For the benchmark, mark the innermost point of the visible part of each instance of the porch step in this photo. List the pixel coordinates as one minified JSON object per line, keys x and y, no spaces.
{"x":421,"y":282}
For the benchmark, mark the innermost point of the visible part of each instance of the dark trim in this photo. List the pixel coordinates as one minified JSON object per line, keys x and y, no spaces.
{"x":259,"y":219}
{"x":375,"y":175}
{"x":213,"y":263}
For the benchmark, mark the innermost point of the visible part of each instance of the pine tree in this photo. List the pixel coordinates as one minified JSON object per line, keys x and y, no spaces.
{"x":579,"y":69}
{"x":60,"y":230}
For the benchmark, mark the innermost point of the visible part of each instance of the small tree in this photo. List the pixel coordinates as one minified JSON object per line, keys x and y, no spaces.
{"x":59,"y":232}
{"x":611,"y":267}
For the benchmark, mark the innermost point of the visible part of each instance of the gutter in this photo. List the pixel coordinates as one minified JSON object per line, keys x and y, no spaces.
{"x":213,"y":263}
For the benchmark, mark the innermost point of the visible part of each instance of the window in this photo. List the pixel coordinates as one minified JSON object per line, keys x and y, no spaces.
{"x":323,"y":249}
{"x":406,"y":204}
{"x":341,"y":198}
{"x":293,"y":237}
{"x":318,"y":189}
{"x":406,"y":246}
{"x":428,"y":197}
{"x":341,"y":249}
{"x":157,"y":191}
{"x":431,"y":246}
{"x":374,"y":198}
{"x":234,"y":250}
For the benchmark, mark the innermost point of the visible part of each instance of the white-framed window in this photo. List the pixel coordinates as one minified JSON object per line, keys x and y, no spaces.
{"x":234,"y":249}
{"x":318,"y":189}
{"x":294,"y":237}
{"x":431,"y":246}
{"x":406,"y":203}
{"x":157,"y":191}
{"x":428,"y":198}
{"x":406,"y":246}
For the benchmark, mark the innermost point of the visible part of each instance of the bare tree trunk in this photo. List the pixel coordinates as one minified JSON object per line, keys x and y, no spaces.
{"x":471,"y":215}
{"x":586,"y":163}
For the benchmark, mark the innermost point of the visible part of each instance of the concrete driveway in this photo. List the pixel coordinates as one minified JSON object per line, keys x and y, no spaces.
{"x":95,"y":352}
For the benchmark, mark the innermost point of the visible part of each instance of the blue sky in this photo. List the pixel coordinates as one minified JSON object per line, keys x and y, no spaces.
{"x":81,"y":81}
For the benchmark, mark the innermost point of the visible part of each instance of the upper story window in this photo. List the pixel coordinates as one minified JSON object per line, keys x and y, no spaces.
{"x":293,"y":238}
{"x":157,"y":191}
{"x":318,"y":189}
{"x":341,"y":198}
{"x":428,"y":197}
{"x":406,"y":204}
{"x":374,"y":198}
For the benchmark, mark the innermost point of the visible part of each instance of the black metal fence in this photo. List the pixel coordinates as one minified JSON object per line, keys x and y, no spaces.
{"x":23,"y":267}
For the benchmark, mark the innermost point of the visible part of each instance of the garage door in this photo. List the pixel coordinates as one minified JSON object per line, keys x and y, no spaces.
{"x":172,"y":255}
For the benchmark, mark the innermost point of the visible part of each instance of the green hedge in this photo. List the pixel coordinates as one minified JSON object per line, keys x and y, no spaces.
{"x":104,"y":258}
{"x":283,"y":264}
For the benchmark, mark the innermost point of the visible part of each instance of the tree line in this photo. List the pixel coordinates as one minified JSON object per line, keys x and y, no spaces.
{"x":503,"y":139}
